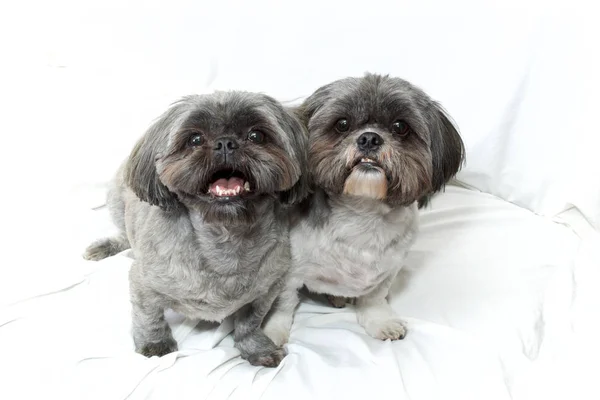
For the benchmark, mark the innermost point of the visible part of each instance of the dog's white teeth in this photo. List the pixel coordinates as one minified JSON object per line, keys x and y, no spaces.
{"x":227,"y":192}
{"x":247,"y":186}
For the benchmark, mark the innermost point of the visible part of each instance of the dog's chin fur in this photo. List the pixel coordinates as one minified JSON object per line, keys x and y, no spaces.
{"x":351,"y":237}
{"x":368,"y":182}
{"x":197,"y":252}
{"x":242,"y":211}
{"x":229,"y":213}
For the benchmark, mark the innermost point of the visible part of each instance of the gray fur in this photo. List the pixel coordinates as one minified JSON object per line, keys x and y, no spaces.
{"x":353,"y":247}
{"x":204,"y":257}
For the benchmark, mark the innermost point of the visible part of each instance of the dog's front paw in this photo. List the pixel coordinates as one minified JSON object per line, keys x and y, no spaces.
{"x":269,"y":359}
{"x":97,"y":252}
{"x":258,"y":349}
{"x":158,"y":349}
{"x":383,"y":329}
{"x":106,"y":247}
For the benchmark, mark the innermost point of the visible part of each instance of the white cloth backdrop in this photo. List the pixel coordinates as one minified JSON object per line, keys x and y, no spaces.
{"x":80,"y":81}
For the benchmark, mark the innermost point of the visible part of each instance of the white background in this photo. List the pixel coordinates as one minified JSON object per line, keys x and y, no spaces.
{"x":81,"y":80}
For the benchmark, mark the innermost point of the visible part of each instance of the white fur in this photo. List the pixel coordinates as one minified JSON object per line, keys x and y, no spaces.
{"x":356,"y":253}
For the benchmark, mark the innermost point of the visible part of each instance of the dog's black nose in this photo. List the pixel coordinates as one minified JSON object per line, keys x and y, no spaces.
{"x":369,"y":141}
{"x":226,"y":145}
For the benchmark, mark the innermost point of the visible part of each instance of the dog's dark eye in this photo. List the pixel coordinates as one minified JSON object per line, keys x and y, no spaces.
{"x":195,"y":140}
{"x":400,"y":128}
{"x":256,"y":136}
{"x":342,"y":125}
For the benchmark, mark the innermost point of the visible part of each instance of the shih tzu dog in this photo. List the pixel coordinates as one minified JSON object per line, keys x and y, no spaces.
{"x":203,"y":203}
{"x":379,"y":147}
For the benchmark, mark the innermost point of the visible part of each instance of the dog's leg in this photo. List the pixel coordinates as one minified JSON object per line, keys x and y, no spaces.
{"x":106,"y":247}
{"x":376,"y":315}
{"x":151,"y":332}
{"x":279,"y":322}
{"x":249,"y":338}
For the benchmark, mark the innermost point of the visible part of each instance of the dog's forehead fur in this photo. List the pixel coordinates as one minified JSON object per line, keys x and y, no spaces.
{"x":234,"y":112}
{"x":373,"y":99}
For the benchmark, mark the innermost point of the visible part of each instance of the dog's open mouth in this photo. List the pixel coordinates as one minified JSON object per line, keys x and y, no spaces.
{"x":228,"y":183}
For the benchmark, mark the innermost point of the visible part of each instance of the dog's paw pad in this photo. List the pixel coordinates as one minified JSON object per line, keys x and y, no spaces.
{"x":271,"y":359}
{"x":337,"y":301}
{"x":391,"y":329}
{"x":158,"y":349}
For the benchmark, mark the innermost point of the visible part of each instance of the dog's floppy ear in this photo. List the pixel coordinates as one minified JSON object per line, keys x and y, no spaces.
{"x":301,"y":116}
{"x":447,"y":149}
{"x":299,"y":139}
{"x":140,"y":169}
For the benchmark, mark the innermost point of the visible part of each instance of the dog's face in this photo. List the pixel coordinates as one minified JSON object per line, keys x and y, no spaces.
{"x":220,"y":153}
{"x":379,"y":137}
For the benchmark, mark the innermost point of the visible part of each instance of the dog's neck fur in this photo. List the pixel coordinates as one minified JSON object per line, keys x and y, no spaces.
{"x":319,"y":207}
{"x":360,"y":205}
{"x":264,"y":210}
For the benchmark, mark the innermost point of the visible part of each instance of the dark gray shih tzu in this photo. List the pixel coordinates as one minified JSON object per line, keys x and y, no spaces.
{"x":378,"y":148}
{"x":202,"y":203}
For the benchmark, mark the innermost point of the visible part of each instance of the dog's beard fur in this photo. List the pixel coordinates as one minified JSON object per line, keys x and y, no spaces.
{"x":366,"y":182}
{"x":401,"y":174}
{"x":239,"y":212}
{"x":190,"y":179}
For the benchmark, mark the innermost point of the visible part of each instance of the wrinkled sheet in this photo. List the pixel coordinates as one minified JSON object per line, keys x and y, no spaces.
{"x":488,"y":292}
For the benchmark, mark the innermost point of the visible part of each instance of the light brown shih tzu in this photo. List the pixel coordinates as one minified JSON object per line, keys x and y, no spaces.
{"x":378,"y":148}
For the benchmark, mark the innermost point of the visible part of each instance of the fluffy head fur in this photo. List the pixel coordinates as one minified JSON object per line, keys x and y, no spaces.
{"x":416,"y":163}
{"x":164,"y":169}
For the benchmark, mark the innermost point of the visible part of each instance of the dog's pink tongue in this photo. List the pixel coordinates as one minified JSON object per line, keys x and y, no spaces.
{"x":226,"y":187}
